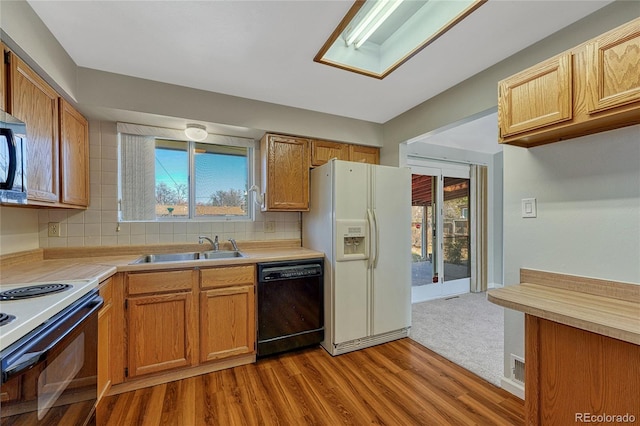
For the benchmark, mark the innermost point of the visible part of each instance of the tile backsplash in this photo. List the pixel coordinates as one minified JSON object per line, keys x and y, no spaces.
{"x":99,"y":226}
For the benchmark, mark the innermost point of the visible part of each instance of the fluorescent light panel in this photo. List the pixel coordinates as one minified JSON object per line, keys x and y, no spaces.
{"x":382,"y":16}
{"x":417,"y":24}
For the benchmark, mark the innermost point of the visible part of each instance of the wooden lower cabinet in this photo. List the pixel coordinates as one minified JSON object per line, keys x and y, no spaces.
{"x":180,"y":323}
{"x":572,"y":373}
{"x":162,"y":332}
{"x":227,"y":312}
{"x":227,"y":322}
{"x":161,"y":321}
{"x":105,"y":330}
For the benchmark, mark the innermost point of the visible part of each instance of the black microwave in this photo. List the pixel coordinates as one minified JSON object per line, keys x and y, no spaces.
{"x":13,"y":167}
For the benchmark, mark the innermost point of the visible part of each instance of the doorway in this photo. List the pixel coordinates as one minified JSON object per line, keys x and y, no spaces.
{"x":440,"y":232}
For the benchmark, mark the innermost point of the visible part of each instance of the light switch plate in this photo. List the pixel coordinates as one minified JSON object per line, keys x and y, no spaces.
{"x":529,"y":208}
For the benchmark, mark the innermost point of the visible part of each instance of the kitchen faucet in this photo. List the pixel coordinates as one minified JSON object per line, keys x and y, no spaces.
{"x":233,"y":243}
{"x":214,"y":244}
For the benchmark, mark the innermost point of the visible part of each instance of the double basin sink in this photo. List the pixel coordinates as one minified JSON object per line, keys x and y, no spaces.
{"x":196,"y":255}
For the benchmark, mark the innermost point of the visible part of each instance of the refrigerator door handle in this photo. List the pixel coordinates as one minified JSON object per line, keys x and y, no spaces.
{"x":372,"y":235}
{"x":377,"y":241}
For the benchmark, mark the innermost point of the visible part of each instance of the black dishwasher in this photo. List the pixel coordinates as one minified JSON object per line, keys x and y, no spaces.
{"x":290,"y":305}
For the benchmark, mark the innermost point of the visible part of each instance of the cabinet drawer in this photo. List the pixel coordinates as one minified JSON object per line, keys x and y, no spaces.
{"x":159,"y":282}
{"x":227,"y":276}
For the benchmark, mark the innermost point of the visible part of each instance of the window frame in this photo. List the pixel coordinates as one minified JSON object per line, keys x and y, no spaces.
{"x":178,"y":135}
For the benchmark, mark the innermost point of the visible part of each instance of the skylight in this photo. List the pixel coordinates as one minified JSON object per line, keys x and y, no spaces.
{"x":377,"y":36}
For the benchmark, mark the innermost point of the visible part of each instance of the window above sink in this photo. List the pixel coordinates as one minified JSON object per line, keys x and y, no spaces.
{"x":163,"y":176}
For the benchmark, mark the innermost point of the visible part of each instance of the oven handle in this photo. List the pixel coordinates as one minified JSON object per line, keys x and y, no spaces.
{"x":25,"y":359}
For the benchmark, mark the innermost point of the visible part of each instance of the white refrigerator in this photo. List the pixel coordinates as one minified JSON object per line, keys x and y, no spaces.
{"x":360,"y":217}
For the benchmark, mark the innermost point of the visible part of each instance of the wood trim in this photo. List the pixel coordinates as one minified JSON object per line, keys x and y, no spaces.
{"x":595,"y":286}
{"x":168,"y":376}
{"x":532,"y":368}
{"x":119,"y":337}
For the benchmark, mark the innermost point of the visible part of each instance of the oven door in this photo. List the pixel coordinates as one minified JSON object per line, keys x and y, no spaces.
{"x":50,"y":376}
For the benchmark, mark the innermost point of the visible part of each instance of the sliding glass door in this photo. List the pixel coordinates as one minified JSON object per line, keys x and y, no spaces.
{"x":440,"y":231}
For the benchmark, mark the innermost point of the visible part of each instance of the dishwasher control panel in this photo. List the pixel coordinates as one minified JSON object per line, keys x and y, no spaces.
{"x":286,"y":270}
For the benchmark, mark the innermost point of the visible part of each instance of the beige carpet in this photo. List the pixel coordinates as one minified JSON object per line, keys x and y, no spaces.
{"x":466,"y":329}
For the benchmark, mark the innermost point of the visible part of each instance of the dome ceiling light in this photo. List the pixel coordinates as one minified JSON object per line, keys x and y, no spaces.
{"x":196,"y":132}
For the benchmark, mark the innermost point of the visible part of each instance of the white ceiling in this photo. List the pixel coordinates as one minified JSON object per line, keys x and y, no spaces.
{"x":264,"y":50}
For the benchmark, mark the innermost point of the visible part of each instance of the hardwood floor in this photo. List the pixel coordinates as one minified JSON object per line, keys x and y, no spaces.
{"x":398,"y":383}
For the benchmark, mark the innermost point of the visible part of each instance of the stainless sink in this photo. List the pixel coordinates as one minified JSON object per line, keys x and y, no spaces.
{"x":180,"y":257}
{"x":220,"y":254}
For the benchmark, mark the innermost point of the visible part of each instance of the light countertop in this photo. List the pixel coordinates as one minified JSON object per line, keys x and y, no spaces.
{"x":101,"y":266}
{"x":604,"y":307}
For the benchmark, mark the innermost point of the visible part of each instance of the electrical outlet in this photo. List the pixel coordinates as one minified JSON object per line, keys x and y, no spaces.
{"x":270,"y":226}
{"x":54,"y":229}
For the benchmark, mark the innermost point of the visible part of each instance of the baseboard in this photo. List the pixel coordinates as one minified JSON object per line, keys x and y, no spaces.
{"x":365,"y":342}
{"x":512,"y":387}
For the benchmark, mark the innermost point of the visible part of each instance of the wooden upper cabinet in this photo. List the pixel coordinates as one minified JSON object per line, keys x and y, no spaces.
{"x":74,"y":156}
{"x":364,"y":154}
{"x":536,"y":97}
{"x":285,"y":173}
{"x":323,"y":151}
{"x":591,"y":88}
{"x":613,"y":68}
{"x":3,"y":79}
{"x":33,"y":101}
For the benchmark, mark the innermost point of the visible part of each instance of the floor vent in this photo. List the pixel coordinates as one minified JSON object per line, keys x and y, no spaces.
{"x":517,"y":369}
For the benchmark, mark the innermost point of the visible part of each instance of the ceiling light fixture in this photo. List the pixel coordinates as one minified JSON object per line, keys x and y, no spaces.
{"x":375,"y":37}
{"x":371,"y":21}
{"x":196,"y":132}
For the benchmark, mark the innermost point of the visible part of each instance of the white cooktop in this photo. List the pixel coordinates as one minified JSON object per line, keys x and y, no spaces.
{"x":32,"y":312}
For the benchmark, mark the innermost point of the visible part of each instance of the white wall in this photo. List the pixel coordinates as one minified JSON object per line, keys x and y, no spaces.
{"x":588,"y":199}
{"x":18,"y":229}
